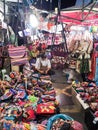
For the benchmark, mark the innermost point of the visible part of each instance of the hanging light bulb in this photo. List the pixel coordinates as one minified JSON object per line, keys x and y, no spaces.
{"x":33,"y":21}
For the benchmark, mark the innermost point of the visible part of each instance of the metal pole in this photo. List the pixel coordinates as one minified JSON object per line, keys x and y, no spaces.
{"x":63,"y":34}
{"x":83,"y":9}
{"x":56,"y":22}
{"x":4,"y":21}
{"x":4,"y":8}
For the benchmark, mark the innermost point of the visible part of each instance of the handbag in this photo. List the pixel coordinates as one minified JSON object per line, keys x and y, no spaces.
{"x":18,"y":55}
{"x":52,"y":119}
{"x":45,"y":108}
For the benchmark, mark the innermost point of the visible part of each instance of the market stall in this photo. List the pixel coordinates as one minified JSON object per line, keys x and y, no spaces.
{"x":27,"y":100}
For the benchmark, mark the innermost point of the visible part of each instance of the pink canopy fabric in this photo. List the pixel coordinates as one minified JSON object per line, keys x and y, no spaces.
{"x":79,"y":17}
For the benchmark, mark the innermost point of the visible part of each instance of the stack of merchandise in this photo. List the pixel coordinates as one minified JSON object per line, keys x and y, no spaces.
{"x":88,"y":92}
{"x":25,"y":102}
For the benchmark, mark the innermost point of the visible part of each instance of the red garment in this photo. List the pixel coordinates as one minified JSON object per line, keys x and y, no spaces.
{"x":45,"y":108}
{"x":44,"y":46}
{"x":91,"y":76}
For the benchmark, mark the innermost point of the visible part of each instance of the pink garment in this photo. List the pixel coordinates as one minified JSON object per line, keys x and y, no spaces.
{"x":77,"y":125}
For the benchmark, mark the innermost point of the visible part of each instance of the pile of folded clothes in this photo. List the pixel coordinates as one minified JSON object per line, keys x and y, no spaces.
{"x":25,"y":102}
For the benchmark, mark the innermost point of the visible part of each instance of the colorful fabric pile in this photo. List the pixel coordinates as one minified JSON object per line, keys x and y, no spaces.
{"x":24,"y":100}
{"x":30,"y":104}
{"x":56,"y":122}
{"x":88,"y":92}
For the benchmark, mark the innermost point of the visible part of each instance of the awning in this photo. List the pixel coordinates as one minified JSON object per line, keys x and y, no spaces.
{"x":79,"y":17}
{"x":86,"y":15}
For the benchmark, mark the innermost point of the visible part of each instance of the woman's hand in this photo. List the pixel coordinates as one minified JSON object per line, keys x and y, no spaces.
{"x":42,"y":72}
{"x":46,"y":71}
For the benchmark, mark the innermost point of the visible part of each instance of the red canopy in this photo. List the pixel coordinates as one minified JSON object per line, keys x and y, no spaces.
{"x":79,"y":17}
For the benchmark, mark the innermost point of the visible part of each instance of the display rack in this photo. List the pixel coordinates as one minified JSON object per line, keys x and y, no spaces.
{"x":88,"y":114}
{"x":78,"y":101}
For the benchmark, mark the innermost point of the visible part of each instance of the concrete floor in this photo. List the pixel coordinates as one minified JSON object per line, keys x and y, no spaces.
{"x":65,"y":98}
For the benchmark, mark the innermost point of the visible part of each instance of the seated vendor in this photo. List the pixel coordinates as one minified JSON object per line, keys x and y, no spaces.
{"x":43,"y":65}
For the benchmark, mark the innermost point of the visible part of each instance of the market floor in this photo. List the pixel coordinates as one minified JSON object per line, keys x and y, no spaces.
{"x":65,"y":98}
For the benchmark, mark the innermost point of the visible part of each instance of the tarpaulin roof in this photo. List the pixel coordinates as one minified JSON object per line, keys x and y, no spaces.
{"x":86,"y":15}
{"x":83,"y":12}
{"x":79,"y":17}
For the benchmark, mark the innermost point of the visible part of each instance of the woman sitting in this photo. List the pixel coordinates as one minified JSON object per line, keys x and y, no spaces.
{"x":43,"y":65}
